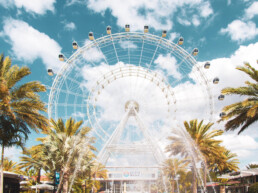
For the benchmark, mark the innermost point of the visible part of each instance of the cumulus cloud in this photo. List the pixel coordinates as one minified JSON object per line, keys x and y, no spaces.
{"x":93,"y":54}
{"x":156,"y":13}
{"x":240,"y":31}
{"x":69,"y":26}
{"x":7,"y":3}
{"x":242,"y":145}
{"x":196,"y":21}
{"x":169,"y":64}
{"x":252,"y":10}
{"x":36,"y":6}
{"x":29,"y":44}
{"x":127,"y":44}
{"x":13,"y":153}
{"x":183,"y":21}
{"x":205,"y":9}
{"x":173,"y":36}
{"x":245,"y":145}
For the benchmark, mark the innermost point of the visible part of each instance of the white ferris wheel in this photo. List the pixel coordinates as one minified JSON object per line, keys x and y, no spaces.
{"x":131,"y":88}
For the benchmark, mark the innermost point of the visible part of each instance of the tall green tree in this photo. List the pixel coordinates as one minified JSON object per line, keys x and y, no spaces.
{"x":244,"y":113}
{"x":20,"y":105}
{"x":202,"y":142}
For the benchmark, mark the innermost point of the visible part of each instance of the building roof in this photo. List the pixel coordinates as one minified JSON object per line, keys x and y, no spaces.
{"x":13,"y":175}
{"x":240,"y":174}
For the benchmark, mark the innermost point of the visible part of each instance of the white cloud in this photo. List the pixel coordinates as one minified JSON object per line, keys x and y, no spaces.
{"x":92,"y":54}
{"x":240,"y":31}
{"x":29,"y":44}
{"x":7,"y":3}
{"x":158,"y":14}
{"x":196,"y":21}
{"x":169,"y":64}
{"x":206,"y":9}
{"x":173,"y":36}
{"x":225,"y":69}
{"x":183,"y":21}
{"x":12,"y":153}
{"x":243,"y":145}
{"x":127,"y":44}
{"x":252,"y":10}
{"x":69,"y":26}
{"x":36,"y":6}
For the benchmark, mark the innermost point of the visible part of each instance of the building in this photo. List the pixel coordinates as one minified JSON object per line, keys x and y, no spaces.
{"x":12,"y":182}
{"x":240,"y":181}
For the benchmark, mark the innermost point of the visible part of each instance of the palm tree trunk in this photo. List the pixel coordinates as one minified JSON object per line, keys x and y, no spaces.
{"x":66,"y":181}
{"x":2,"y":171}
{"x":194,"y":181}
{"x":172,"y":186}
{"x":39,"y":175}
{"x":204,"y":174}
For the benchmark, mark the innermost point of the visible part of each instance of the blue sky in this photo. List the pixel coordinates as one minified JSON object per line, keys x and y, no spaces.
{"x":33,"y":33}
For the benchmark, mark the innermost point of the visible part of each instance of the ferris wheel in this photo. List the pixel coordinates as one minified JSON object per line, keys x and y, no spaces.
{"x":123,"y":81}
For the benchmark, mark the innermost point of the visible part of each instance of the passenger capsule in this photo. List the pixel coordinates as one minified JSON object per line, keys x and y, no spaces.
{"x":146,"y":29}
{"x":75,"y":45}
{"x":61,"y":57}
{"x":164,"y":33}
{"x":195,"y":51}
{"x":221,"y":97}
{"x":207,"y":65}
{"x":216,"y":80}
{"x":91,"y":37}
{"x":50,"y":72}
{"x":222,"y":114}
{"x":180,"y":41}
{"x":108,"y":30}
{"x":127,"y":27}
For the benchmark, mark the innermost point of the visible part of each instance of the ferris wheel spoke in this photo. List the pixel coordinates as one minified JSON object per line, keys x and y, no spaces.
{"x":141,"y":53}
{"x":115,"y":49}
{"x":103,"y":55}
{"x":154,"y":54}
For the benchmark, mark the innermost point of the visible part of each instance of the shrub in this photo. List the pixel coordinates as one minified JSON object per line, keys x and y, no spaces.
{"x":253,"y":188}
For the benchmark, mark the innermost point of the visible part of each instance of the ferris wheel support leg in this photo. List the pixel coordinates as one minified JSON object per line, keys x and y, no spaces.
{"x":157,"y":152}
{"x":104,"y":154}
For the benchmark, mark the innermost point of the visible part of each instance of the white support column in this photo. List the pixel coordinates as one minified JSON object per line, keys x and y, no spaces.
{"x":157,"y":152}
{"x":104,"y":154}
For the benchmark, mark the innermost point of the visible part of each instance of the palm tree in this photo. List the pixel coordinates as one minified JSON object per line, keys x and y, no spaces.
{"x":63,"y":146}
{"x":202,"y":140}
{"x":172,"y":167}
{"x":11,"y":166}
{"x":251,"y":166}
{"x":244,"y":113}
{"x":97,"y":171}
{"x":19,"y":104}
{"x":225,"y":163}
{"x":33,"y":159}
{"x":12,"y":133}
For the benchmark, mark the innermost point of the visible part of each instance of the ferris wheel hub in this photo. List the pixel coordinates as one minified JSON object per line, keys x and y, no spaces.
{"x":132,"y":106}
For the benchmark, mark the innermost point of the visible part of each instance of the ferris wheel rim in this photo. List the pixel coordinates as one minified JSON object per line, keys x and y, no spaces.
{"x":118,"y":36}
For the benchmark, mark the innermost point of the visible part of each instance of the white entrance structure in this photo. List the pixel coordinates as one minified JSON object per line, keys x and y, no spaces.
{"x":124,"y":178}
